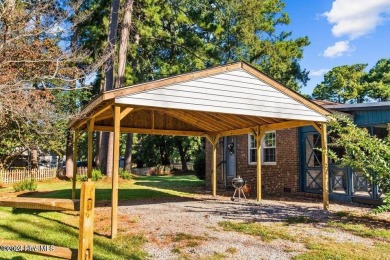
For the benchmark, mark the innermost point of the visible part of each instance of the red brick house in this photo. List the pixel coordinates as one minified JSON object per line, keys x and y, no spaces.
{"x":290,"y":163}
{"x":280,"y":161}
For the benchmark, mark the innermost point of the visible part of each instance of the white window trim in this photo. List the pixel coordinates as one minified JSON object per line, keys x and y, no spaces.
{"x":262,"y":154}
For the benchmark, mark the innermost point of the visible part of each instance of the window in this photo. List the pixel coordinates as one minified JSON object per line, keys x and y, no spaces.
{"x":268,"y":145}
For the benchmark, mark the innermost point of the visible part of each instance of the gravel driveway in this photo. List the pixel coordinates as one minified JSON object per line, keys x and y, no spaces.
{"x":186,"y":228}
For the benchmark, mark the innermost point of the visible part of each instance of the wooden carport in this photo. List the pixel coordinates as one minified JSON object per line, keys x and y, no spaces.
{"x":227,"y":100}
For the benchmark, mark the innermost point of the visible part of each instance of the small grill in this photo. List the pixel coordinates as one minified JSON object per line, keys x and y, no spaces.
{"x":239,"y":184}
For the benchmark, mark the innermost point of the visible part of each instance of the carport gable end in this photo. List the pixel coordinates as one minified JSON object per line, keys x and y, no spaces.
{"x":236,"y":91}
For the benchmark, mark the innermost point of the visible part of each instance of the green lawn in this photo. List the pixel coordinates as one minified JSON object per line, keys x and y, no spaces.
{"x":141,"y":187}
{"x":61,"y":228}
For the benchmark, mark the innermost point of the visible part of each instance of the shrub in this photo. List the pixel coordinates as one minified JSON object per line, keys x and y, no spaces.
{"x":386,"y":205}
{"x":96,"y":175}
{"x":200,"y":164}
{"x":124,"y":174}
{"x":27,"y":184}
{"x":81,"y":177}
{"x":362,"y":151}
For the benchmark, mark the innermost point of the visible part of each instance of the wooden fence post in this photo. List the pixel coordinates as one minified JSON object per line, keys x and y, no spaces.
{"x":87,"y":205}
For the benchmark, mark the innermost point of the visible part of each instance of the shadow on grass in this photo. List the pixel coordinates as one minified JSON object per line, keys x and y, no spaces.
{"x":169,"y":181}
{"x":127,"y":197}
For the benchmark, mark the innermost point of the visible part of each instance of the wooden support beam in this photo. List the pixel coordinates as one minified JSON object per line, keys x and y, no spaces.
{"x":40,"y":203}
{"x":259,"y":136}
{"x":75,"y":152}
{"x":87,"y":111}
{"x":241,"y":131}
{"x":90,"y":146}
{"x":150,"y":131}
{"x":102,"y":110}
{"x":110,"y":115}
{"x":214,"y":140}
{"x":284,"y":125}
{"x":50,"y":251}
{"x":316,"y":126}
{"x":115,"y":172}
{"x":87,"y":205}
{"x":325,"y":174}
{"x":126,"y":111}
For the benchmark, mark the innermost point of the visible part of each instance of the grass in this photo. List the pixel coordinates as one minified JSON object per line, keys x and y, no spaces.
{"x":364,"y":226}
{"x":300,"y":220}
{"x":52,"y":228}
{"x":232,"y":250}
{"x":188,"y":240}
{"x":185,"y":236}
{"x":217,"y":256}
{"x":329,"y":250}
{"x":362,"y":230}
{"x":61,"y":228}
{"x":265,"y":232}
{"x":143,"y":187}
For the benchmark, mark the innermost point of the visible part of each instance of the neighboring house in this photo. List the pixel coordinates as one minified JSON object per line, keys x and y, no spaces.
{"x":45,"y":160}
{"x":291,"y":164}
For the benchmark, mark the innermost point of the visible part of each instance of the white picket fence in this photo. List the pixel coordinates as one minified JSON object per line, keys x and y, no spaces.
{"x":17,"y":175}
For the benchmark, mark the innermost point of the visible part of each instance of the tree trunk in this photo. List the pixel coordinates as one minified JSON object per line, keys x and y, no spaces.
{"x":107,"y":138}
{"x":111,"y":44}
{"x":98,"y":149}
{"x":34,"y":158}
{"x":69,"y":154}
{"x":182,"y":153}
{"x":183,"y":159}
{"x":124,"y":42}
{"x":110,"y":154}
{"x":107,"y":153}
{"x":164,"y":156}
{"x":121,"y":79}
{"x":129,"y":148}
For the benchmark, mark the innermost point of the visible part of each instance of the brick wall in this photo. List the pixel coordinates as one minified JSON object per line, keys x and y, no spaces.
{"x":275,"y":178}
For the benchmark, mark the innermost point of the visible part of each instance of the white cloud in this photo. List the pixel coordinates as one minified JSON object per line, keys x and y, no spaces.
{"x":355,"y":18}
{"x":318,"y":73}
{"x":338,"y":49}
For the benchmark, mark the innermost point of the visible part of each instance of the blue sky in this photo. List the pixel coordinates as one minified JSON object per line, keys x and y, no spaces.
{"x":341,"y":32}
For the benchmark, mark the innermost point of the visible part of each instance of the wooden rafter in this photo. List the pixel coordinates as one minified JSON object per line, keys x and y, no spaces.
{"x":255,"y":120}
{"x":213,"y":118}
{"x":235,"y":120}
{"x":188,"y":118}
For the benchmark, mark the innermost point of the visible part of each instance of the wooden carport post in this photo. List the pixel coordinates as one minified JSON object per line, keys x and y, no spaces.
{"x":321,"y":128}
{"x":325,"y":177}
{"x":259,"y":135}
{"x":214,"y":140}
{"x":75,"y":152}
{"x":115,"y":172}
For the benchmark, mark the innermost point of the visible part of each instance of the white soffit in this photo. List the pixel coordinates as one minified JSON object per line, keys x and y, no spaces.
{"x":233,"y":92}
